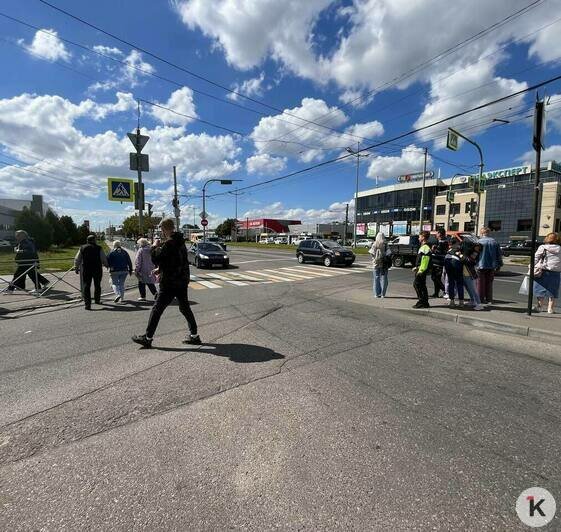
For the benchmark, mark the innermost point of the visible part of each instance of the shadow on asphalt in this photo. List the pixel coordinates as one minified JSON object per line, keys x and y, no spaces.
{"x":240,"y":353}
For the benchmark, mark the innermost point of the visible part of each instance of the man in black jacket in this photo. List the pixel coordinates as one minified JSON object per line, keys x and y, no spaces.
{"x":172,"y":266}
{"x":27,"y":261}
{"x":439,"y":251}
{"x":89,"y":262}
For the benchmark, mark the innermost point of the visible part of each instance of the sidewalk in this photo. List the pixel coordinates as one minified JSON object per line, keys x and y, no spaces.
{"x":503,"y":316}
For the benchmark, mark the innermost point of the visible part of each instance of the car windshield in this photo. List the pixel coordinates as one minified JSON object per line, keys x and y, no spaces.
{"x":330,"y":244}
{"x":209,"y":247}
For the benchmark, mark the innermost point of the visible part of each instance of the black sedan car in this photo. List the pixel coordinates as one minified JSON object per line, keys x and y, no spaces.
{"x":328,"y":252}
{"x":518,"y":247}
{"x":205,"y":254}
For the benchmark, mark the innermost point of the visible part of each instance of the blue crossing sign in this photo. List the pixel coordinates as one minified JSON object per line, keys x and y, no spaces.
{"x":119,"y":189}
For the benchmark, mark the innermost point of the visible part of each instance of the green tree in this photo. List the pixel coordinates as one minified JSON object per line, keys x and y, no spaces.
{"x":83,"y":232}
{"x":37,"y":228}
{"x":71,"y":230}
{"x":60,"y":236}
{"x":131,"y":228}
{"x":226,"y":227}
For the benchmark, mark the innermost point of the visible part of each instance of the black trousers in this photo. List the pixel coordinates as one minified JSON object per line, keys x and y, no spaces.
{"x":36,"y":280}
{"x":436,"y":276}
{"x":87,"y":278}
{"x":142,"y":288}
{"x":165,"y":296}
{"x":420,"y":285}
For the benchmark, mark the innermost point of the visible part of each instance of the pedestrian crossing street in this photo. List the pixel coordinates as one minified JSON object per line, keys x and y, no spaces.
{"x":210,"y":280}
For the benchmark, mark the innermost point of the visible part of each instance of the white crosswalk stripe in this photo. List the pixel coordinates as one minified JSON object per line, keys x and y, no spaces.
{"x":227,"y":279}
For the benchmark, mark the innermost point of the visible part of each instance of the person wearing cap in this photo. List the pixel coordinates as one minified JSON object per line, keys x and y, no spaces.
{"x":27,"y":261}
{"x":89,"y":262}
{"x":172,"y":269}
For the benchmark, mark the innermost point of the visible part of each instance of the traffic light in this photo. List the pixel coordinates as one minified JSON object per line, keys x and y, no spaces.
{"x":450,"y":196}
{"x":471,"y":182}
{"x":149,"y":210}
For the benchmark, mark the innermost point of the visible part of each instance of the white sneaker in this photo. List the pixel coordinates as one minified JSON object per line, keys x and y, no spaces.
{"x":141,"y":299}
{"x":550,"y":311}
{"x":446,"y":296}
{"x":478,"y":307}
{"x":35,"y":291}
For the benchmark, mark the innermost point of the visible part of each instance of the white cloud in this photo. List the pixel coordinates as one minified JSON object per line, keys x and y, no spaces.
{"x":367,"y":129}
{"x":265,"y":164}
{"x":108,"y":50}
{"x":180,"y":101}
{"x":410,"y":160}
{"x":46,"y":45}
{"x":356,"y":98}
{"x":250,"y":87}
{"x":551,"y":153}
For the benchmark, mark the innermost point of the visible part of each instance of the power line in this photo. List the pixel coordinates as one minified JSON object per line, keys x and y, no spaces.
{"x":403,"y":135}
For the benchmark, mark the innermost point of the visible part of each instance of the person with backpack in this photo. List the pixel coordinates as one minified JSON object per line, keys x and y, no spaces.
{"x":454,"y":271}
{"x":120,"y":265}
{"x":89,"y":262}
{"x":381,"y":263}
{"x":172,"y":268}
{"x":421,"y":270}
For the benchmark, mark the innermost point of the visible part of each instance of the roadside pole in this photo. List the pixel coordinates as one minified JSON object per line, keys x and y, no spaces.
{"x":247,"y":229}
{"x":358,"y":155}
{"x":537,"y":143}
{"x":346,"y":224}
{"x":175,"y":201}
{"x":422,"y":207}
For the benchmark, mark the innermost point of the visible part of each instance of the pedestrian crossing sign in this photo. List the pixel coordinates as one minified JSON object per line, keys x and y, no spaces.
{"x":120,"y":189}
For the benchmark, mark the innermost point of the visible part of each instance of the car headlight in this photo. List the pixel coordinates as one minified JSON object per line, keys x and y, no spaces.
{"x":337,"y":253}
{"x":203,"y":256}
{"x":225,"y":256}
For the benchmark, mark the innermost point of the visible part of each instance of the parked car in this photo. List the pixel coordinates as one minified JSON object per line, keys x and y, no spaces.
{"x":518,"y":247}
{"x":328,"y":252}
{"x":364,"y":243}
{"x":404,"y":249}
{"x":206,"y":254}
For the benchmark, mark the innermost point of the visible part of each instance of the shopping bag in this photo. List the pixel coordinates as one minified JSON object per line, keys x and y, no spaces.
{"x":524,"y":287}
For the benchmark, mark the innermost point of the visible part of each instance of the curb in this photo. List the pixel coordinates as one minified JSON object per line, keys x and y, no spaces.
{"x":519,"y":330}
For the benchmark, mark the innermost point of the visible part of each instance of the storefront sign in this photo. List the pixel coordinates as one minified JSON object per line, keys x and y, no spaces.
{"x":506,"y":172}
{"x":417,"y":176}
{"x":400,"y":228}
{"x":361,"y":229}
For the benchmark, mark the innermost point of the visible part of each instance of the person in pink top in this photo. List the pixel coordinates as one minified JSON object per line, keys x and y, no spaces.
{"x":143,"y":268}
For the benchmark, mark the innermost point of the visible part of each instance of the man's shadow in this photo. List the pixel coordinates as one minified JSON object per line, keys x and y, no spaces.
{"x":241,"y":353}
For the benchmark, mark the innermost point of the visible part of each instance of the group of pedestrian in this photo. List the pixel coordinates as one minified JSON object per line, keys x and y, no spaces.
{"x":469,"y":264}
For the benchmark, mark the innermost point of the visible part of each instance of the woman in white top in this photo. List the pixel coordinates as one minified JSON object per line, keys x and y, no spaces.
{"x":378,"y":252}
{"x":548,"y":259}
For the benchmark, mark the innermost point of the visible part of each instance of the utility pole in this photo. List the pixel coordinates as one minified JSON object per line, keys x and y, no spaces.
{"x":422,"y":208}
{"x":346,"y":224}
{"x":175,"y":201}
{"x":537,"y":142}
{"x":358,"y":155}
{"x":247,"y":229}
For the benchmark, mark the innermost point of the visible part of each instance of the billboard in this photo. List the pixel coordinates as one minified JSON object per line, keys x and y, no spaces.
{"x":361,"y":229}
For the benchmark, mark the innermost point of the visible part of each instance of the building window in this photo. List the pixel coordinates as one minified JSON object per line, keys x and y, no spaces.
{"x":495,"y":225}
{"x":454,"y":226}
{"x":454,"y":208}
{"x":440,"y":210}
{"x":524,"y":225}
{"x":439,"y":226}
{"x":469,"y":226}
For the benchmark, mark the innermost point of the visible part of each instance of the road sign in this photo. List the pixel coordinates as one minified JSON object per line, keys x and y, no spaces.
{"x":138,"y":141}
{"x":203,"y":214}
{"x":452,"y":140}
{"x":120,"y":189}
{"x":143,"y":158}
{"x":204,"y":222}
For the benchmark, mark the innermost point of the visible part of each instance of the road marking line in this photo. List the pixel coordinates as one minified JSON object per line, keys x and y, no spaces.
{"x":291,"y":276}
{"x":245,"y":277}
{"x":308,"y":272}
{"x":209,"y":284}
{"x":269,"y":276}
{"x":263,"y":260}
{"x":331,"y":271}
{"x":196,"y":286}
{"x":226,"y":279}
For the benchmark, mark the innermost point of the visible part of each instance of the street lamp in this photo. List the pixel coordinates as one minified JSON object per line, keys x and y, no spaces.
{"x":222,"y":182}
{"x":358,"y":155}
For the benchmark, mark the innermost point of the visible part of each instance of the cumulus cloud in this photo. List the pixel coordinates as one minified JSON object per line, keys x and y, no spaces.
{"x":46,"y":45}
{"x":250,"y":87}
{"x":180,"y":101}
{"x":410,"y":160}
{"x":265,"y":164}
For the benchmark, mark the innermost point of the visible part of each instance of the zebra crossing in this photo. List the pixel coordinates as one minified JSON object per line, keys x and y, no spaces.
{"x":213,"y":280}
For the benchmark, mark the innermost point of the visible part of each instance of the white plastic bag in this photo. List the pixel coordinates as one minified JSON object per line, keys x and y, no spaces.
{"x":524,"y":287}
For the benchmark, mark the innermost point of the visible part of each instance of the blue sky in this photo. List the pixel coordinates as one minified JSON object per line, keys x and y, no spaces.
{"x":365,"y":69}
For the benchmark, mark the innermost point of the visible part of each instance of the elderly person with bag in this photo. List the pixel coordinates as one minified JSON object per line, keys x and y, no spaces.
{"x":120,"y":265}
{"x":143,"y":269}
{"x":547,"y":272}
{"x":381,"y":263}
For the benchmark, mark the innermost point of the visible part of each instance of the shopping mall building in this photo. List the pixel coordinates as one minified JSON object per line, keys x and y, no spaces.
{"x":506,"y":204}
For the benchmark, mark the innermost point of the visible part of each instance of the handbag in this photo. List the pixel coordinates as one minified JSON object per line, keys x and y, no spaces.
{"x":539,"y":267}
{"x":525,"y":286}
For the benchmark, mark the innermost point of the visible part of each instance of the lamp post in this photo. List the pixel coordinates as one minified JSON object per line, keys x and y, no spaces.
{"x":222,"y":182}
{"x":358,"y":155}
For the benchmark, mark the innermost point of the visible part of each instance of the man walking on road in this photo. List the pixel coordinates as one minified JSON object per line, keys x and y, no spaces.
{"x":27,"y":261}
{"x":422,"y":268}
{"x":89,"y":262}
{"x":172,"y":266}
{"x":490,"y":261}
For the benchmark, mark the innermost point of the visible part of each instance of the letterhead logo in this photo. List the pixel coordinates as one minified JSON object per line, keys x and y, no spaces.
{"x":535,"y":507}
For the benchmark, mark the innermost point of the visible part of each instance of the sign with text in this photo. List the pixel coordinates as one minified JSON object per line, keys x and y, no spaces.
{"x":415,"y":177}
{"x":119,"y":189}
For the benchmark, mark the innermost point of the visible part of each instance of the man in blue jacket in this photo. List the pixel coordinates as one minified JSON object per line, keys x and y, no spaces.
{"x":490,"y":261}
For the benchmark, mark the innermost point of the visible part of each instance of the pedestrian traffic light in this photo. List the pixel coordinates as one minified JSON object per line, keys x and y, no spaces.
{"x":450,"y":196}
{"x":149,"y":210}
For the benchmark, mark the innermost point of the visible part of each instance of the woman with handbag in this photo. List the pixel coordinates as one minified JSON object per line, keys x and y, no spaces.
{"x":547,"y":272}
{"x":381,"y":264}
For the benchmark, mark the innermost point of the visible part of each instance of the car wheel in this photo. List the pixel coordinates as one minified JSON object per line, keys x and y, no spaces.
{"x":398,"y":261}
{"x":327,"y":261}
{"x":300,"y":258}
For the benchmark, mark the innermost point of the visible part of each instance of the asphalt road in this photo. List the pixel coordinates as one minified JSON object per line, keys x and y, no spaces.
{"x":300,"y":411}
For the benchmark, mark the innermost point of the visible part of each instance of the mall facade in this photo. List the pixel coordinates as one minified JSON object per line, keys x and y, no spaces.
{"x":506,"y":204}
